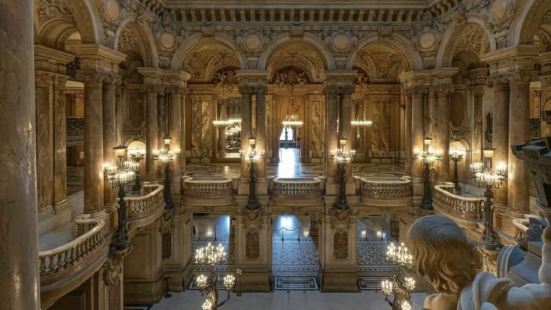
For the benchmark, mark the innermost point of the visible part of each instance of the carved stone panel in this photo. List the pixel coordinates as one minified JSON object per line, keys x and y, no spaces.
{"x":340,"y":245}
{"x":252,"y":244}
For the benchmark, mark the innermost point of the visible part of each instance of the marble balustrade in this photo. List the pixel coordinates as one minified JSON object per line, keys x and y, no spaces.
{"x":59,"y":259}
{"x":297,"y":191}
{"x":144,"y":206}
{"x":208,"y":191}
{"x":391,"y":191}
{"x":458,"y":206}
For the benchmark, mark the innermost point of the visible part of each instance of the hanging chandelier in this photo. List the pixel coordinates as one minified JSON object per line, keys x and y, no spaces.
{"x":290,"y":78}
{"x":362,"y":79}
{"x":225,"y":78}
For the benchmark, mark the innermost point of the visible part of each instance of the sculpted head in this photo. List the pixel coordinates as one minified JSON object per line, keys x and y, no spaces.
{"x":443,"y":254}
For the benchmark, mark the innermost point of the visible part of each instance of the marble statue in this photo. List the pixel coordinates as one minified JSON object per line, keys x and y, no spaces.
{"x":450,"y":262}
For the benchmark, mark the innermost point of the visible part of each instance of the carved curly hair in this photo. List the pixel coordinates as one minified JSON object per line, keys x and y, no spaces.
{"x":443,"y":254}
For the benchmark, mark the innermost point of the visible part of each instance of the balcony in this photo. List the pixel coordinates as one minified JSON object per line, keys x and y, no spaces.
{"x":67,"y":266}
{"x":297,"y":192}
{"x":387,"y":191}
{"x":208,"y":191}
{"x":144,"y":210}
{"x":465,"y":209}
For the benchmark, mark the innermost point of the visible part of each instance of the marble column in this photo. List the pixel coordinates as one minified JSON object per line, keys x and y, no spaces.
{"x":519,"y":133}
{"x":152,"y":133}
{"x":45,"y":139}
{"x":500,"y":135}
{"x":260,"y":113}
{"x":331,"y":127}
{"x":183,"y":133}
{"x":246,"y":126}
{"x":175,"y":131}
{"x":109,"y":134}
{"x":60,"y":141}
{"x":346,"y":127}
{"x":417,"y":135}
{"x":441,"y":132}
{"x":19,"y":279}
{"x":408,"y":136}
{"x":93,"y":142}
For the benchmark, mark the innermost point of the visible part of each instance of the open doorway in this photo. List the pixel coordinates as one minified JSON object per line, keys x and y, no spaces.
{"x":295,"y":254}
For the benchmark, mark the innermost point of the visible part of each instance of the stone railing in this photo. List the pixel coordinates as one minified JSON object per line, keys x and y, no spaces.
{"x":458,"y":206}
{"x":385,"y":191}
{"x":297,"y":191}
{"x":66,"y":267}
{"x":60,"y":259}
{"x":139,"y":207}
{"x":207,"y":191}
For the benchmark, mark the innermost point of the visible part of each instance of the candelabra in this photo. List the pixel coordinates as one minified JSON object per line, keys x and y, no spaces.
{"x":341,"y":156}
{"x":429,"y":159}
{"x":251,"y":157}
{"x":210,"y":256}
{"x":166,"y":157}
{"x":119,"y":177}
{"x":400,"y":285}
{"x":136,"y":155}
{"x":491,"y":179}
{"x":456,"y":155}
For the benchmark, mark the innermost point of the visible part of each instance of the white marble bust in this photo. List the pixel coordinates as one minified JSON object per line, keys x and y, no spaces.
{"x":451,"y":263}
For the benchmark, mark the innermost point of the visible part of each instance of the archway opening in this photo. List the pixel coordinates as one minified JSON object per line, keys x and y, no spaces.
{"x":295,"y":254}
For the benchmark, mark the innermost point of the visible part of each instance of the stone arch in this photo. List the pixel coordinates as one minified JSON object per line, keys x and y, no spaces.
{"x":88,"y":21}
{"x":395,"y":41}
{"x":148,"y":44}
{"x":306,"y":38}
{"x":192,"y":42}
{"x":298,"y":55}
{"x":54,"y":23}
{"x":528,"y":18}
{"x":449,"y":46}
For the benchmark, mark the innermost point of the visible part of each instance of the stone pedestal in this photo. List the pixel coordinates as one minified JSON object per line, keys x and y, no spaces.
{"x":253,"y":251}
{"x":19,"y":280}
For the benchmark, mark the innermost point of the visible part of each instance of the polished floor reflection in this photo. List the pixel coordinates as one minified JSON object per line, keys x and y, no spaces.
{"x":289,"y":163}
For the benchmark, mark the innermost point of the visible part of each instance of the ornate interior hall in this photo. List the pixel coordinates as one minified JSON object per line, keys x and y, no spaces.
{"x":275,"y":154}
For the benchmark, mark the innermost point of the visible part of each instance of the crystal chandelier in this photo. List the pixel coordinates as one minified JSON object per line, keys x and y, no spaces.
{"x":290,"y":78}
{"x":400,"y":285}
{"x":225,"y":79}
{"x":211,"y":256}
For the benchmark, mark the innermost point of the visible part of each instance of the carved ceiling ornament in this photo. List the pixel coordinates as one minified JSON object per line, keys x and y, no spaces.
{"x":53,"y":9}
{"x":205,"y":59}
{"x":470,"y":38}
{"x":129,"y":41}
{"x":110,"y":10}
{"x":381,"y":62}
